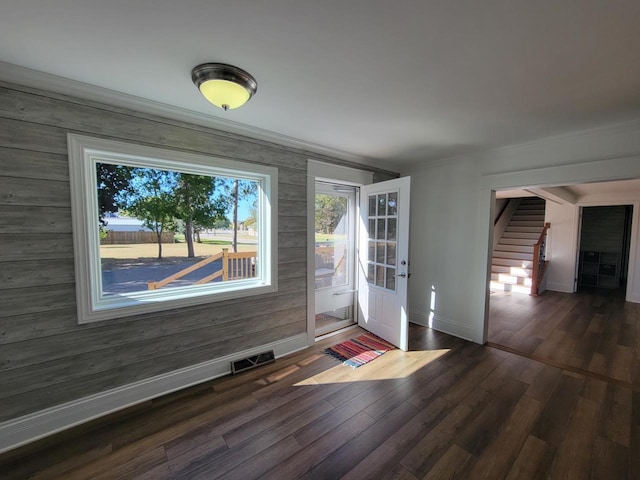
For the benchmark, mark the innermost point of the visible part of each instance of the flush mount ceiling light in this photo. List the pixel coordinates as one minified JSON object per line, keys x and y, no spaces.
{"x":225,"y":86}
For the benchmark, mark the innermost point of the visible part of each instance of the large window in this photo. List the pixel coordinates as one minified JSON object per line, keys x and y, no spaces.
{"x":157,"y":229}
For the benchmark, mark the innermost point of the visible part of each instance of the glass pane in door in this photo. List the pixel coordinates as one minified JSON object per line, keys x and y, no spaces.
{"x":382,"y":221}
{"x":335,"y":227}
{"x":332,"y":240}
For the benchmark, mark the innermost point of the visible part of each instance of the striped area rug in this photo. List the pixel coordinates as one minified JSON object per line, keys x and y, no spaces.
{"x":360,"y":350}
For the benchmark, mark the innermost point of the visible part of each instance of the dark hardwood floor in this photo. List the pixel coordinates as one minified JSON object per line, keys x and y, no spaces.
{"x":594,"y":331}
{"x":446,"y":409}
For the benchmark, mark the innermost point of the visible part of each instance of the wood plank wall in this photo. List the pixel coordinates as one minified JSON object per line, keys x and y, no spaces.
{"x":46,"y":358}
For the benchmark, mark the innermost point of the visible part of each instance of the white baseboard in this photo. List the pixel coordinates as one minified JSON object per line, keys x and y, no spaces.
{"x":25,"y":429}
{"x":560,"y":287}
{"x":633,"y":298}
{"x":453,"y":327}
{"x":442,"y":324}
{"x":419,"y":318}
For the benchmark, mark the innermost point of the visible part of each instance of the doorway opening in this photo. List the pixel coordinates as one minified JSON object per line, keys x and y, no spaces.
{"x":335,"y":255}
{"x":604,"y":247}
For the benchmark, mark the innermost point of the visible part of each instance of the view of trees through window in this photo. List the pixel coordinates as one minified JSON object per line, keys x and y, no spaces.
{"x":331,"y":239}
{"x":162,"y":228}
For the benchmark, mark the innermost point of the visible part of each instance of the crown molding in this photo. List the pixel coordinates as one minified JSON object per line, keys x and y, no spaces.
{"x":27,"y":77}
{"x":620,"y":131}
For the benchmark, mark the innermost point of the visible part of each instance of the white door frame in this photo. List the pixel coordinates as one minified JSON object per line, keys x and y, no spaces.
{"x":331,"y":173}
{"x":577,"y":241}
{"x":583,"y":172}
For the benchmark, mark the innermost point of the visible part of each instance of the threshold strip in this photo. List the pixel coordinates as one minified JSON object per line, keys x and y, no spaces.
{"x":569,"y":368}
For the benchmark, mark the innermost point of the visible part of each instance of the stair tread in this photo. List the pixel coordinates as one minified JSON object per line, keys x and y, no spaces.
{"x":516,"y":249}
{"x":514,"y":280}
{"x":523,"y":229}
{"x":519,"y":218}
{"x":507,"y":287}
{"x":507,"y":269}
{"x":516,"y":234}
{"x":529,"y":213}
{"x":523,"y":242}
{"x":512,"y":262}
{"x":527,"y":223}
{"x":513,"y":255}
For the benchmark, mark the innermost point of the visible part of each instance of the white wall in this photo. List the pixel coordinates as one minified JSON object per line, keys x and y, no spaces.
{"x":442,"y":222}
{"x":562,"y":245}
{"x":452,"y":204}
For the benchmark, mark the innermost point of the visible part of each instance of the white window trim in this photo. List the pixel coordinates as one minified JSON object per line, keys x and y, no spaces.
{"x":84,"y":153}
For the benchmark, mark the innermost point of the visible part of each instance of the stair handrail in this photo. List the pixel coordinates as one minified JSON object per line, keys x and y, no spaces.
{"x":539,"y":263}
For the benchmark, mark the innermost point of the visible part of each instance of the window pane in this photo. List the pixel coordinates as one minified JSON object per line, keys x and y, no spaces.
{"x":372,"y":228}
{"x":372,"y":205}
{"x":380,"y":256}
{"x":380,"y":276}
{"x":331,"y":233}
{"x":382,"y":205}
{"x":381,"y":224}
{"x":391,"y":279}
{"x":393,"y":204}
{"x":162,"y":229}
{"x":372,"y":251}
{"x":391,"y":228}
{"x":391,"y":254}
{"x":371,"y":277}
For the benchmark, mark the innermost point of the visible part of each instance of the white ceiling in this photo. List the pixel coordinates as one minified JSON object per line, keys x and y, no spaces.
{"x":605,"y":188}
{"x":399,"y":81}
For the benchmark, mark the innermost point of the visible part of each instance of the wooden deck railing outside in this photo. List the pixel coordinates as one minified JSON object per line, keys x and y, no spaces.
{"x":235,"y":266}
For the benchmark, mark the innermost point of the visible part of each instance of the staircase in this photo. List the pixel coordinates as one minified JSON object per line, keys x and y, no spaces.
{"x":512,"y":264}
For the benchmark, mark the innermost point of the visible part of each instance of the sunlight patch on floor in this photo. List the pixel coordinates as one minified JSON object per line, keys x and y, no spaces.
{"x":392,"y":365}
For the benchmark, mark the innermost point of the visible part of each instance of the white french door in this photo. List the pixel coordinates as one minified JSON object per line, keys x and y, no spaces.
{"x":383,"y":260}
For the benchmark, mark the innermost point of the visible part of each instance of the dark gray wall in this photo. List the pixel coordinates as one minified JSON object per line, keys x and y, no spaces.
{"x":501,"y":203}
{"x":46,"y":358}
{"x":603,"y":229}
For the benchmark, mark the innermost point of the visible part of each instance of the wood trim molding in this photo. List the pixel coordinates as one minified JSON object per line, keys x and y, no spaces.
{"x":31,"y":427}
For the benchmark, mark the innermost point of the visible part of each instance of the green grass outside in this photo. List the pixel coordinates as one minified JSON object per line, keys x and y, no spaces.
{"x":330,"y":237}
{"x":216,"y":242}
